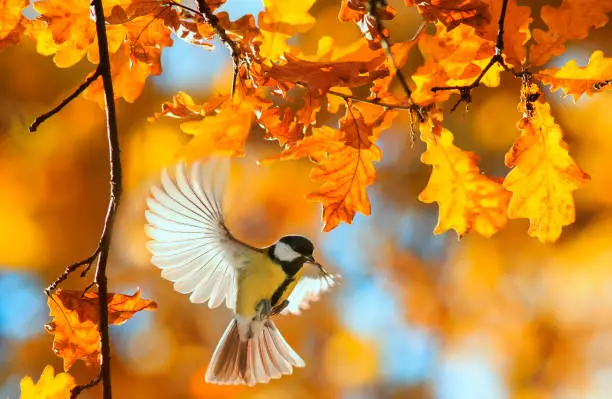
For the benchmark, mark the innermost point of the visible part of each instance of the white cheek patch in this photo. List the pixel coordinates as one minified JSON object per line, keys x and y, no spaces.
{"x":284,"y":252}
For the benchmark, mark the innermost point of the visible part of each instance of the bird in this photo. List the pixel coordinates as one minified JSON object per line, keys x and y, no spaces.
{"x":193,"y":247}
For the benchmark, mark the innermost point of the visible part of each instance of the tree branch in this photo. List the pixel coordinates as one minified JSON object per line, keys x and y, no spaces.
{"x":465,"y":92}
{"x":115,"y":195}
{"x":213,"y":21}
{"x":40,"y":119}
{"x":71,"y":268}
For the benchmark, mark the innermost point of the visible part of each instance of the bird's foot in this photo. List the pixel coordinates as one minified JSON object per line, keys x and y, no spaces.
{"x":263,"y":309}
{"x":279,"y":308}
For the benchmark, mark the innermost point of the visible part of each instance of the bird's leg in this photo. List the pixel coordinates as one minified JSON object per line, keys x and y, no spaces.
{"x":279,"y":308}
{"x":263,"y":309}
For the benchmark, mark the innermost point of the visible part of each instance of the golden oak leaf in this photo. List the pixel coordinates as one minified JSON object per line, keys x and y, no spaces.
{"x":11,"y":21}
{"x":66,"y":30}
{"x":223,"y":133}
{"x":451,"y":13}
{"x":279,"y":21}
{"x":452,"y":58}
{"x":48,"y":386}
{"x":183,"y":107}
{"x":320,"y":76}
{"x":543,"y":175}
{"x":516,"y":29}
{"x":357,"y":11}
{"x":571,"y":21}
{"x":575,"y":80}
{"x":76,"y":318}
{"x":467,"y":199}
{"x":284,"y":130}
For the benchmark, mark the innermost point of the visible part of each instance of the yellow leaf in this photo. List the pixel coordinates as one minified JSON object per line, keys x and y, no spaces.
{"x":543,"y":175}
{"x":467,"y":199}
{"x":280,"y":20}
{"x":575,"y":80}
{"x":48,"y":386}
{"x":11,"y":21}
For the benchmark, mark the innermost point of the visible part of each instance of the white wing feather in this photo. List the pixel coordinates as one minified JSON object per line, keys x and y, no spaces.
{"x":308,"y":289}
{"x":190,"y":243}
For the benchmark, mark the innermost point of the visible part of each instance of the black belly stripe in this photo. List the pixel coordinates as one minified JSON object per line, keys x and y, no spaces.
{"x":281,"y":290}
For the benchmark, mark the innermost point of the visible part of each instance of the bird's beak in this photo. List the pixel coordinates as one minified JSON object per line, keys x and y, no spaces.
{"x":311,"y":259}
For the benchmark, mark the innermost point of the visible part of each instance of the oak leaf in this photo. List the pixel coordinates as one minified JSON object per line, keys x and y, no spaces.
{"x":280,"y":20}
{"x":467,"y":199}
{"x":357,"y":11}
{"x":516,"y":29}
{"x":451,"y":13}
{"x":452,"y":58}
{"x":11,"y":21}
{"x":222,"y":132}
{"x":76,"y":318}
{"x":344,"y":160}
{"x":48,"y":386}
{"x":184,"y":107}
{"x":320,"y":76}
{"x":576,"y":81}
{"x":573,"y":20}
{"x":543,"y":175}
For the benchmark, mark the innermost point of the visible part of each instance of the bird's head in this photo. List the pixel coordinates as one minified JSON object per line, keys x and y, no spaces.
{"x":292,"y":251}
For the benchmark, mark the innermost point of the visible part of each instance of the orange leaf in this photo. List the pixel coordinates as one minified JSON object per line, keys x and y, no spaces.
{"x":222,"y":133}
{"x":575,"y":80}
{"x":357,"y":11}
{"x":48,"y":386}
{"x":467,"y":199}
{"x":452,"y":58}
{"x":11,"y":21}
{"x":571,"y":21}
{"x":451,"y":13}
{"x":76,"y":318}
{"x":516,"y":29}
{"x":544,"y":174}
{"x":320,"y":76}
{"x":284,"y":130}
{"x":183,"y":107}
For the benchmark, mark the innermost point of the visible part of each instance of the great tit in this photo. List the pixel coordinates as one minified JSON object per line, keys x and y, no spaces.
{"x":194,"y":249}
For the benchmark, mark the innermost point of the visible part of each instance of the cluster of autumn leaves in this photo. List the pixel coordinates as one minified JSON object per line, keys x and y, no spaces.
{"x":284,"y":91}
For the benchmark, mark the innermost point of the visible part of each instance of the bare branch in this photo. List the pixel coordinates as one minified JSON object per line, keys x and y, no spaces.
{"x":465,"y":91}
{"x":76,"y":391}
{"x":40,"y":119}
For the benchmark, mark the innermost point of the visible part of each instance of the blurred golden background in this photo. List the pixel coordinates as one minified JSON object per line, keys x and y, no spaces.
{"x":416,"y":315}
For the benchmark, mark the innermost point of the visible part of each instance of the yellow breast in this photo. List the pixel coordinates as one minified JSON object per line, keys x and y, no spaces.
{"x":259,"y":280}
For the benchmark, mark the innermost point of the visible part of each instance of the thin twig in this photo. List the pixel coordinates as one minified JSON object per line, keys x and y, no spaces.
{"x":213,"y":21}
{"x":386,"y":45}
{"x":40,"y":119}
{"x":71,"y":268}
{"x":76,"y":391}
{"x":601,"y":85}
{"x":465,"y":91}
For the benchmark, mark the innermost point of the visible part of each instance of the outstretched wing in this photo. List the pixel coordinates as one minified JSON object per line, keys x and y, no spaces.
{"x":308,"y":289}
{"x":190,"y":243}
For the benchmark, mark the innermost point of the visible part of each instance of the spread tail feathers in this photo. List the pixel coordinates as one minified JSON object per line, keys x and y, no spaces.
{"x":264,"y":356}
